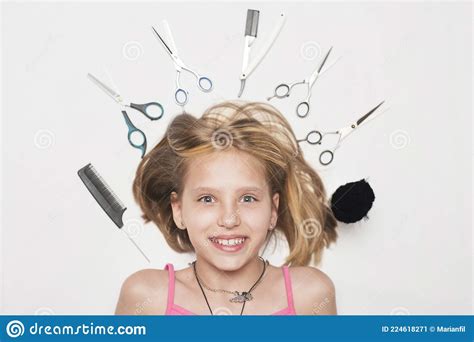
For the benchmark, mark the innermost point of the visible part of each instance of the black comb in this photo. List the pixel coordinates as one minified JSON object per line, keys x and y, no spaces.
{"x":102,"y":193}
{"x":106,"y":198}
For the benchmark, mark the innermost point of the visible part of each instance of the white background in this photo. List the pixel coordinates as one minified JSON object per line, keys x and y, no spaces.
{"x":61,"y":254}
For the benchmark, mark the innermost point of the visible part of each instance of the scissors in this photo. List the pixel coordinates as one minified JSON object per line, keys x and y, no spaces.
{"x":284,"y":90}
{"x":152,"y":110}
{"x":180,"y":94}
{"x":315,"y":137}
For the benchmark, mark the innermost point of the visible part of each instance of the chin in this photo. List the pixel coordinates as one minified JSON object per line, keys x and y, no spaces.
{"x":230,"y":263}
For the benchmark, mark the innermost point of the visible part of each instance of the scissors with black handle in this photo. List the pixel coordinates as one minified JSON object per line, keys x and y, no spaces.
{"x":315,"y":137}
{"x":284,"y":90}
{"x":152,"y":110}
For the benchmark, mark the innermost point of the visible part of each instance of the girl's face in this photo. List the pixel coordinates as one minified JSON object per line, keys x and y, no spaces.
{"x":226,"y":195}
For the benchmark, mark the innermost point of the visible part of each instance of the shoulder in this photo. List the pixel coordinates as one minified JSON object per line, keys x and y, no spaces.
{"x":144,"y":292}
{"x":314,"y":292}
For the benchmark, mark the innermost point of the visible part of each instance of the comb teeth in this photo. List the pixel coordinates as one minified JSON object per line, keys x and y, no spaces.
{"x":104,"y":188}
{"x":251,"y":26}
{"x":102,"y":193}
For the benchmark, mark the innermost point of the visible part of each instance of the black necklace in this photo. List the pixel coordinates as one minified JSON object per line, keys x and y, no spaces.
{"x":244,"y":296}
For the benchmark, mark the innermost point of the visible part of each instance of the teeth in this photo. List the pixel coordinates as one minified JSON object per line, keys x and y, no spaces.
{"x":230,"y":242}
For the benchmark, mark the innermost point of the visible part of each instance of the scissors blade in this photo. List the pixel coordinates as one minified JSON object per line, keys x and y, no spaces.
{"x":329,"y":66}
{"x":109,"y":91}
{"x":171,"y":42}
{"x":316,"y":72}
{"x":344,"y":132}
{"x":163,"y":43}
{"x":364,"y":117}
{"x":242,"y":86}
{"x":324,"y":60}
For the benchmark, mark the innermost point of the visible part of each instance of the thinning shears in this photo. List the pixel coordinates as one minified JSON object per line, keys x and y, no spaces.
{"x":152,"y":110}
{"x":315,"y":137}
{"x":181,"y":95}
{"x":284,"y":90}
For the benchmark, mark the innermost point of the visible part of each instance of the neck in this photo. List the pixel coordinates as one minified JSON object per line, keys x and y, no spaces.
{"x":230,"y":279}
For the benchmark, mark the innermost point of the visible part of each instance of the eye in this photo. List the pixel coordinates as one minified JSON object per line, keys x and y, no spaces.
{"x":205,"y":199}
{"x":249,"y":199}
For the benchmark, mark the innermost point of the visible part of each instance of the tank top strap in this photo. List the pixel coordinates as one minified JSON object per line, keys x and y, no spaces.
{"x":289,"y":290}
{"x":170,"y":302}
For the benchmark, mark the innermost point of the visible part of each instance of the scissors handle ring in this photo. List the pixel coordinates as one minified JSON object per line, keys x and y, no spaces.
{"x":143,"y":108}
{"x":314,"y":142}
{"x":181,"y":96}
{"x":133,"y":130}
{"x":302,"y":110}
{"x":331,"y":157}
{"x":282,"y":90}
{"x":205,"y":84}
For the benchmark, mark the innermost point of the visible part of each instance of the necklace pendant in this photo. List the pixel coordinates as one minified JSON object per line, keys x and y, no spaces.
{"x":241,"y":297}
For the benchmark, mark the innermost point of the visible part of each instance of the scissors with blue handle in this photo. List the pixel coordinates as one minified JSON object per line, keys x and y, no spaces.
{"x":152,"y":110}
{"x":180,"y":94}
{"x":284,"y":90}
{"x":315,"y":137}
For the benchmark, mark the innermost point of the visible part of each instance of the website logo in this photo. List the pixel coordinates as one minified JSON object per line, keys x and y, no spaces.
{"x":15,"y":328}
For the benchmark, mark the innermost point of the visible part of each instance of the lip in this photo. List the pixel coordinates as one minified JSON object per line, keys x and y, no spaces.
{"x":229,"y":249}
{"x":228,"y":237}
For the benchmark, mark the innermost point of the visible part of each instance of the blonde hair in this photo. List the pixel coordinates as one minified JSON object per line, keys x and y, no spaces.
{"x":260,"y":130}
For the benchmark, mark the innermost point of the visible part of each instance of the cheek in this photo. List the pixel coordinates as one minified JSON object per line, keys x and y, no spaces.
{"x":256,"y":223}
{"x":256,"y":219}
{"x":202,"y":220}
{"x":199,"y":226}
{"x":198,"y":217}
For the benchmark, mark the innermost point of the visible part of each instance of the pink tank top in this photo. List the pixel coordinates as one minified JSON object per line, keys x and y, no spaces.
{"x":174,"y":309}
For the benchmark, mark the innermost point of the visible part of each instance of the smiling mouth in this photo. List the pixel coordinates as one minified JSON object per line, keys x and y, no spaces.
{"x":229,"y":242}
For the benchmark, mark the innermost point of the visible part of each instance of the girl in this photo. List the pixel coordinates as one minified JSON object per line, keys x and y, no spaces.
{"x":221,"y":186}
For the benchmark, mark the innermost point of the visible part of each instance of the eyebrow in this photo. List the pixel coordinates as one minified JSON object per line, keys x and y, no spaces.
{"x":209,"y":189}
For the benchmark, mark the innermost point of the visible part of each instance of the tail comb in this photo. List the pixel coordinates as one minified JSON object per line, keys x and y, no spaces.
{"x":102,"y":193}
{"x":106,"y":198}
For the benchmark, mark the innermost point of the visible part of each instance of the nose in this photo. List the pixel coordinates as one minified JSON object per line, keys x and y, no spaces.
{"x":229,"y":217}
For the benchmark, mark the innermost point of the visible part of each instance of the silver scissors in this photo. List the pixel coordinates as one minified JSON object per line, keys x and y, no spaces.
{"x":284,"y":90}
{"x":180,"y":94}
{"x":315,"y":137}
{"x":152,"y":110}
